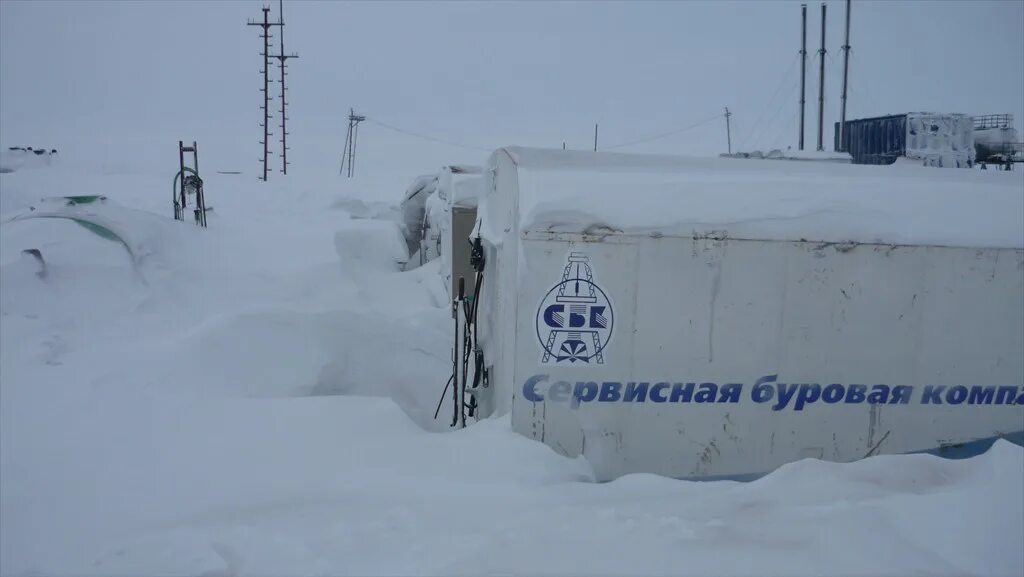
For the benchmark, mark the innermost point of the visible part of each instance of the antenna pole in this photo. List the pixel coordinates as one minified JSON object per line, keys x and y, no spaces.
{"x":846,"y":72}
{"x":265,"y":24}
{"x":803,"y":69}
{"x":282,"y":58}
{"x":821,"y":83}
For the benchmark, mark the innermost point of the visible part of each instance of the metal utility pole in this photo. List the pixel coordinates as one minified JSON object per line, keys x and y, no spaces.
{"x":595,"y":138}
{"x":349,"y":154}
{"x":266,"y":24}
{"x":846,"y":72}
{"x":728,"y":130}
{"x":179,"y":206}
{"x":821,"y":83}
{"x":282,"y":58}
{"x":803,"y":69}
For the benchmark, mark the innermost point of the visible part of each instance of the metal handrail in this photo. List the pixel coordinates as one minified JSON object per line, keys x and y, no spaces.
{"x":993,"y":121}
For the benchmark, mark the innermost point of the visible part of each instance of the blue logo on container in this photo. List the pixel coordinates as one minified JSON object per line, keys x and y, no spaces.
{"x":574,"y":321}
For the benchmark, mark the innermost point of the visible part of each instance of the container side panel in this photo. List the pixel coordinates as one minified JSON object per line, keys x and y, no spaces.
{"x":730,"y":357}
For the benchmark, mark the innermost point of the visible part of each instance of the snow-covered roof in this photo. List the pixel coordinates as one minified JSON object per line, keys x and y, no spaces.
{"x":467,"y":192}
{"x":573,"y":191}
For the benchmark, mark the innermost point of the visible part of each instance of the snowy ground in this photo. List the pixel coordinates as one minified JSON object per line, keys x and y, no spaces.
{"x":256,"y":399}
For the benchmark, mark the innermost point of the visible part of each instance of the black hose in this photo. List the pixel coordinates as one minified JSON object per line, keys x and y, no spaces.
{"x":443,"y":393}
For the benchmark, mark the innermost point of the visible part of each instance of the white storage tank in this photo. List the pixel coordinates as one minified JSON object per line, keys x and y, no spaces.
{"x":996,"y":139}
{"x":705,"y":318}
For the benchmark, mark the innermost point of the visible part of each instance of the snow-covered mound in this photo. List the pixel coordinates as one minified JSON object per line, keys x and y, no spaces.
{"x":25,"y":157}
{"x":252,"y":401}
{"x":790,"y":154}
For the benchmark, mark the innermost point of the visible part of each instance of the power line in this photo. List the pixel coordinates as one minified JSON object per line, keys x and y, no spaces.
{"x":667,"y":133}
{"x":771,"y":121}
{"x":878,"y":110}
{"x":425,"y":137}
{"x":781,"y":134}
{"x":768,"y":104}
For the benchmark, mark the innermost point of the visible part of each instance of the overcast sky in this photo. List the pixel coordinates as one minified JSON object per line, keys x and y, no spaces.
{"x":485,"y":74}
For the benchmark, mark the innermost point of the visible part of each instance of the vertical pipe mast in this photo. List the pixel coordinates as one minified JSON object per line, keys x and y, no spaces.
{"x":181,"y":172}
{"x":266,"y":84}
{"x":821,"y":83}
{"x":846,"y":72}
{"x":728,"y":130}
{"x":266,"y":89}
{"x":803,"y":69}
{"x":282,"y":59}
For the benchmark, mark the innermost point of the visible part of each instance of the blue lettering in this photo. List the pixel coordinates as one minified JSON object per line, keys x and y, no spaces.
{"x":764,"y":389}
{"x":636,"y":392}
{"x":981,"y":395}
{"x":656,"y":394}
{"x":931,"y":395}
{"x":553,"y":316}
{"x":901,"y":395}
{"x":1004,"y":395}
{"x":584,"y":392}
{"x":576,"y":320}
{"x":610,"y":392}
{"x":786,"y":393}
{"x":529,"y":390}
{"x":879,"y":395}
{"x":809,"y":393}
{"x":855,"y":393}
{"x":680,"y":393}
{"x":559,"y":392}
{"x":833,"y":393}
{"x":707,"y":393}
{"x":730,"y":393}
{"x":597,"y":318}
{"x":956,"y":395}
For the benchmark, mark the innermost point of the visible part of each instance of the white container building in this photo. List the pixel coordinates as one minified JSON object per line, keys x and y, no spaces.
{"x":705,"y":318}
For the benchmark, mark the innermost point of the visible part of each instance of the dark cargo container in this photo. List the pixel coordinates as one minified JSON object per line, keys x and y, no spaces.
{"x":878,"y":140}
{"x":934,"y":139}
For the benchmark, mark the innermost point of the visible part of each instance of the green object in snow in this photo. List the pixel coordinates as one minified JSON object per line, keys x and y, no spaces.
{"x":85,"y":199}
{"x":97,"y":229}
{"x":101,"y":231}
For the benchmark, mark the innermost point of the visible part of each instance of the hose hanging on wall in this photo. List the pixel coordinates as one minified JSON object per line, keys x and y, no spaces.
{"x":468,"y":346}
{"x":477,"y":261}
